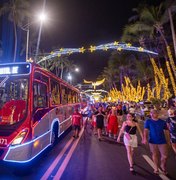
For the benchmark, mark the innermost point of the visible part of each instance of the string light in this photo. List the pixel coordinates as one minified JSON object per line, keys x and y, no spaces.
{"x":171,"y":77}
{"x":163,"y":83}
{"x":171,"y":60}
{"x":115,"y":45}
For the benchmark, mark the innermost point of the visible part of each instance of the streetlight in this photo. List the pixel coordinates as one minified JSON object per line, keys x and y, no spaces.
{"x":41,"y":18}
{"x":69,"y":77}
{"x":76,"y":69}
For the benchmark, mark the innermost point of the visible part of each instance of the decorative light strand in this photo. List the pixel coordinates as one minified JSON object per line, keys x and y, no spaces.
{"x":115,"y":45}
{"x":171,"y":77}
{"x":171,"y":60}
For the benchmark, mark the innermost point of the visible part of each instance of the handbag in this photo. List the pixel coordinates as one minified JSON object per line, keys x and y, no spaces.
{"x":127,"y":134}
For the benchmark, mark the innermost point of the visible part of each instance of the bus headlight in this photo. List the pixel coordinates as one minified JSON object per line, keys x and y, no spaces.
{"x":19,"y":138}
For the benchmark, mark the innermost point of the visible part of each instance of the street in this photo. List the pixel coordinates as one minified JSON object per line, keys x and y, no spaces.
{"x":89,"y":159}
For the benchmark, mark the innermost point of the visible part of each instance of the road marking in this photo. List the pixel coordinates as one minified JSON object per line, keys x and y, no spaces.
{"x":150,"y":162}
{"x":66,"y":160}
{"x":55,"y":162}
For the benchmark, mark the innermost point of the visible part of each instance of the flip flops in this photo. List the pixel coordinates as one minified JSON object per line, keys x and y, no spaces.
{"x":156,"y":172}
{"x":164,"y":172}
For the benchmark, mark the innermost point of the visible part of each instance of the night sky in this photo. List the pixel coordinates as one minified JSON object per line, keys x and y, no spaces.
{"x":77,"y":23}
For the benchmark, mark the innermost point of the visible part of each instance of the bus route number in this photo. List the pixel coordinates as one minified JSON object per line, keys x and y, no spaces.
{"x":3,"y":141}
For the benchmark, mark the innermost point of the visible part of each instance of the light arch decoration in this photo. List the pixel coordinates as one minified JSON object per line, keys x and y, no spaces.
{"x":105,"y":47}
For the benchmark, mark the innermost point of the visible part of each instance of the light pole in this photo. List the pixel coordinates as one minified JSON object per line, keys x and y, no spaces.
{"x":41,"y":18}
{"x":26,"y":28}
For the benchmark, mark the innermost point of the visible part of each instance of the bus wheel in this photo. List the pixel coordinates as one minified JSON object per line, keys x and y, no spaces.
{"x":54,"y":135}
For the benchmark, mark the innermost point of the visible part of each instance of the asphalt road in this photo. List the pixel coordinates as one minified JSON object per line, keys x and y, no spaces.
{"x":87,"y":158}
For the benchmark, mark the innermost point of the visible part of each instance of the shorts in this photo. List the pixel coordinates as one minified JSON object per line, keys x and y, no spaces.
{"x":132,"y":142}
{"x":76,"y":127}
{"x":156,"y":148}
{"x":99,"y":125}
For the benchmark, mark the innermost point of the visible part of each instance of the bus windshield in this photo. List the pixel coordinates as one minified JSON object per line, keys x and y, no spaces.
{"x":13,"y":99}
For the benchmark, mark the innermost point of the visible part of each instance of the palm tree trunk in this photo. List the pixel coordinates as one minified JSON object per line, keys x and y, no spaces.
{"x":15,"y":40}
{"x":168,"y":52}
{"x":61,"y":71}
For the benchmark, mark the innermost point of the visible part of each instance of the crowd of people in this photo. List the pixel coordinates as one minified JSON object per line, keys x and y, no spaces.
{"x":115,"y":120}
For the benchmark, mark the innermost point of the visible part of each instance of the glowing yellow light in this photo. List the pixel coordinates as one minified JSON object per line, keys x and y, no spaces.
{"x":116,"y":43}
{"x":171,"y":77}
{"x":58,"y":55}
{"x":36,"y":143}
{"x":105,"y":48}
{"x":129,"y":44}
{"x":92,"y":48}
{"x":70,"y":52}
{"x":29,"y":60}
{"x":141,"y":49}
{"x":94,"y":84}
{"x":51,"y":52}
{"x":171,"y":60}
{"x":119,"y":49}
{"x":82,"y":50}
{"x":61,"y":49}
{"x":109,"y":98}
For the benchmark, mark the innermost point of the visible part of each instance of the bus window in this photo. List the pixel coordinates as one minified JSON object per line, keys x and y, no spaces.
{"x":64,"y":95}
{"x":70,"y":100}
{"x":41,"y":77}
{"x":55,"y":93}
{"x":40,"y":95}
{"x":74,"y":96}
{"x":13,"y":100}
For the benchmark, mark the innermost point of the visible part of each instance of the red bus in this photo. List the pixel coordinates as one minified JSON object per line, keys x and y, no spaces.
{"x":35,"y":109}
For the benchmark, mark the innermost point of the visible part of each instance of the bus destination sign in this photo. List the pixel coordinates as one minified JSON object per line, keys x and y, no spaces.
{"x":15,"y":69}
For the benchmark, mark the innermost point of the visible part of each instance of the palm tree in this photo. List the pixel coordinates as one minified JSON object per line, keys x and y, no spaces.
{"x":119,"y":65}
{"x":145,"y":72}
{"x":108,"y":74}
{"x":17,"y":13}
{"x":59,"y":64}
{"x":152,"y":19}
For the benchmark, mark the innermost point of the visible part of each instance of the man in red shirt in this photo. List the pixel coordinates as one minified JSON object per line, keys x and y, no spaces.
{"x":76,"y":122}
